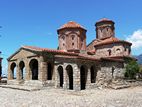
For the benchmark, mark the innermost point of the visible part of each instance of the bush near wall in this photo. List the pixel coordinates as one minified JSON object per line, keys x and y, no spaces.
{"x":132,"y":69}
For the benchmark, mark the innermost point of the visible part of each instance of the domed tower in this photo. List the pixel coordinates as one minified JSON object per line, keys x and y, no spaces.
{"x":105,"y":29}
{"x":72,"y":36}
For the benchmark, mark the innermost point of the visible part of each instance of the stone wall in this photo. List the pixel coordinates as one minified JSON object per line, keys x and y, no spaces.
{"x":110,"y":71}
{"x":116,"y":49}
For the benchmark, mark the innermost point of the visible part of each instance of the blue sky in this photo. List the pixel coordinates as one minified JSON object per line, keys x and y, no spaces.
{"x":34,"y":22}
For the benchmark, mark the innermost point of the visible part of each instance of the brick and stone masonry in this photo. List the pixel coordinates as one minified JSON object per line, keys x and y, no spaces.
{"x":74,"y":65}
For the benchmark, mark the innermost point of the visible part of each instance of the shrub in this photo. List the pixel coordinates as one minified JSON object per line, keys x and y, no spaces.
{"x":132,"y":68}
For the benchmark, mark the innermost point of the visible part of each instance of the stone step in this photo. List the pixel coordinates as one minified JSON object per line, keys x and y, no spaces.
{"x":24,"y":88}
{"x":118,"y":86}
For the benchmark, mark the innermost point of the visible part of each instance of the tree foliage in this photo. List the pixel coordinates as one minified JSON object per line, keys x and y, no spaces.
{"x":132,"y":68}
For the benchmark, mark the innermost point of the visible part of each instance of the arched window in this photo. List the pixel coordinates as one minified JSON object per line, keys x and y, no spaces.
{"x":118,"y":51}
{"x":72,"y":37}
{"x":129,"y":50}
{"x":72,"y":44}
{"x":63,"y":37}
{"x":113,"y":68}
{"x":109,"y":52}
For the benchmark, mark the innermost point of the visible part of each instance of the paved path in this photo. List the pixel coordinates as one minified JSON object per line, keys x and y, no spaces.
{"x":130,"y":97}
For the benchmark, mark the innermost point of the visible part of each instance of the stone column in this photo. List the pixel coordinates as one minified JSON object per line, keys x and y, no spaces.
{"x":88,"y":81}
{"x":18,"y":78}
{"x":76,"y":78}
{"x":56,"y":76}
{"x":28,"y":71}
{"x":10,"y":77}
{"x":42,"y":70}
{"x":65,"y":78}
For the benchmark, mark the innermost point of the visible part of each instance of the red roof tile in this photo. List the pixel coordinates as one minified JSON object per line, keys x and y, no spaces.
{"x":48,"y":50}
{"x":71,"y":24}
{"x":104,"y":20}
{"x":80,"y":56}
{"x":92,"y":52}
{"x":109,"y":41}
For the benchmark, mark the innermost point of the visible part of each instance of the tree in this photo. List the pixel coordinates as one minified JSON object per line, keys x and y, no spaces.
{"x":132,"y":68}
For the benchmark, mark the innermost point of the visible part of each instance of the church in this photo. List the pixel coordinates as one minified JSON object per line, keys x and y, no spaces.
{"x":75,"y":65}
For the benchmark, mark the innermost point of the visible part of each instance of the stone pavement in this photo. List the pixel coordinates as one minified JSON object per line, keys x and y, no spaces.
{"x":49,"y":97}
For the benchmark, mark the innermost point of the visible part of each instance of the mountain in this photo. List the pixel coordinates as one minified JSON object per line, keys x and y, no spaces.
{"x":139,"y":57}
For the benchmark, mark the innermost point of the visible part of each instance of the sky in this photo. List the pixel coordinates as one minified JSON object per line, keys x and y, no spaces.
{"x":35,"y":22}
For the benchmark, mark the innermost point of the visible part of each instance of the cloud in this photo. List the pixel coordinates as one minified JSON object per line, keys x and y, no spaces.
{"x":136,"y":39}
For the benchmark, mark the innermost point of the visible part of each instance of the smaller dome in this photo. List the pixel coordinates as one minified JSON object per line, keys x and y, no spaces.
{"x":71,"y":24}
{"x":104,"y":20}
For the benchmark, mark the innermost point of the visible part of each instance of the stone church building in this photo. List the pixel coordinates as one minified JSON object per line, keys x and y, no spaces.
{"x":74,"y":65}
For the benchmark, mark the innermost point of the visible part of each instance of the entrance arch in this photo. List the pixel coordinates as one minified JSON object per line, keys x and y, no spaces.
{"x":49,"y":71}
{"x":93,"y":74}
{"x":60,"y":72}
{"x":22,"y":69}
{"x":34,"y":69}
{"x":83,"y":77}
{"x":70,"y":76}
{"x":13,"y":70}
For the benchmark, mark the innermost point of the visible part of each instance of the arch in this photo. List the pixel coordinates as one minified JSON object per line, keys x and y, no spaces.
{"x":34,"y":69}
{"x":60,"y":72}
{"x":22,"y":70}
{"x":13,"y":70}
{"x":49,"y":71}
{"x":109,"y":52}
{"x":70,"y":76}
{"x":83,"y":77}
{"x":118,"y":50}
{"x":93,"y":74}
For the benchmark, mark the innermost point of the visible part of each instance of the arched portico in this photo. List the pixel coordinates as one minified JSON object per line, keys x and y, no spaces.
{"x":60,"y":74}
{"x":93,"y":73}
{"x":69,"y":70}
{"x":22,"y":70}
{"x":13,"y":70}
{"x":49,"y":71}
{"x":83,"y":77}
{"x":34,"y":69}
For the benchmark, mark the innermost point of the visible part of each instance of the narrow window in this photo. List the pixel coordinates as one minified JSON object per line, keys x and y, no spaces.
{"x":129,"y":50}
{"x":72,"y":37}
{"x":109,"y":52}
{"x":72,"y":44}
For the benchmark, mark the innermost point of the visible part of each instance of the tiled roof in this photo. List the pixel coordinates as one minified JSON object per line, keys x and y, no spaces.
{"x":104,"y":20}
{"x":79,"y":56}
{"x":92,"y":52}
{"x":48,"y":50}
{"x":110,"y":41}
{"x":71,"y":24}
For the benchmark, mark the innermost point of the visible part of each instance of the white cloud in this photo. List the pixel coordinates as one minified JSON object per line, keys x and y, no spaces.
{"x":136,"y":39}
